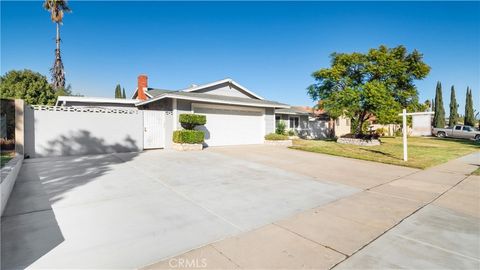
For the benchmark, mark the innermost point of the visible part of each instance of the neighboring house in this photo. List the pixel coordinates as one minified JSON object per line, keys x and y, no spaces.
{"x":312,"y":123}
{"x":235,"y":115}
{"x":373,"y":125}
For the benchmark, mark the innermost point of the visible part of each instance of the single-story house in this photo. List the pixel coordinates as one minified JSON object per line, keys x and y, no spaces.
{"x":312,"y":123}
{"x":235,"y":115}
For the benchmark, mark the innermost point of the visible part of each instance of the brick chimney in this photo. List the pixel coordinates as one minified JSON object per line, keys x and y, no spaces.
{"x":142,"y":87}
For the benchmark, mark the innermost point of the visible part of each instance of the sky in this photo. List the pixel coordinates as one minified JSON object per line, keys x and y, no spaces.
{"x":271,"y":48}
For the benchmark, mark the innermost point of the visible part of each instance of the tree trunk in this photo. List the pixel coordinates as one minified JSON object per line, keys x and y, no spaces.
{"x":360,"y":121}
{"x":57,"y":40}
{"x":58,"y":74}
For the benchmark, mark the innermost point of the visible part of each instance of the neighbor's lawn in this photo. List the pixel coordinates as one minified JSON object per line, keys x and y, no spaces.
{"x":5,"y":157}
{"x":422,"y":152}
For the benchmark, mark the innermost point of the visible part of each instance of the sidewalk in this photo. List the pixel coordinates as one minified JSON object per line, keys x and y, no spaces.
{"x":429,"y":219}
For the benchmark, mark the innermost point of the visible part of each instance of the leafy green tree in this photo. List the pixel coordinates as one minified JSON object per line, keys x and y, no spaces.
{"x":469,"y":113}
{"x":453,"y":118}
{"x":123,"y":94}
{"x":379,"y":82}
{"x":57,"y":9}
{"x":118,"y":91}
{"x":31,"y":86}
{"x":439,"y":116}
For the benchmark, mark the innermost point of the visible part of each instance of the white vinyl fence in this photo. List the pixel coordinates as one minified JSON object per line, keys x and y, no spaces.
{"x":65,"y":131}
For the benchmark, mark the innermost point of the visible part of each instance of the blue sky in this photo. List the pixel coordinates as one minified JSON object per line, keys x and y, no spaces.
{"x":270,"y":47}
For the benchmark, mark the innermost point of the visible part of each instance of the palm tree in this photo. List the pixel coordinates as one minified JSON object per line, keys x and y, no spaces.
{"x":57,"y":9}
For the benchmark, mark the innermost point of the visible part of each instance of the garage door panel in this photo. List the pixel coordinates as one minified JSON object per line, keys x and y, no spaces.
{"x":232,"y":126}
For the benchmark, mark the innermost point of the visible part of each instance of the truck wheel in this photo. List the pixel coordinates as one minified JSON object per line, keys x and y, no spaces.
{"x":477,"y":138}
{"x":441,"y":134}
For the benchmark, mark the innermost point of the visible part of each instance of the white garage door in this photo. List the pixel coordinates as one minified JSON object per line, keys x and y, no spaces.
{"x":232,"y":125}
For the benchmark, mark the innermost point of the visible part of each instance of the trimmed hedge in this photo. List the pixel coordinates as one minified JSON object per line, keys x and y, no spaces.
{"x":188,"y":136}
{"x":275,"y":137}
{"x":190,"y":120}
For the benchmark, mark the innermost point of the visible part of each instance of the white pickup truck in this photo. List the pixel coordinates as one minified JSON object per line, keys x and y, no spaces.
{"x":457,"y":131}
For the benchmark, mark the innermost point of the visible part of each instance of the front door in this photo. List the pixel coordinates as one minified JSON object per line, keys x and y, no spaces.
{"x":153,"y":129}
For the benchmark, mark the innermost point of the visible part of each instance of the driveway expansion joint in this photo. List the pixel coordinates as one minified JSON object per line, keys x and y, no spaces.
{"x":308,"y":239}
{"x":398,"y":223}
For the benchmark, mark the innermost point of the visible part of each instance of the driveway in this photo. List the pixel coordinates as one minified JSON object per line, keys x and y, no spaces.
{"x":422,"y":220}
{"x":131,"y":210}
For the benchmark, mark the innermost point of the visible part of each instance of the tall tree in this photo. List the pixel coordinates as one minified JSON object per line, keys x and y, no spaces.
{"x":57,"y":8}
{"x":118,"y":91}
{"x":469,"y":113}
{"x":28,"y":85}
{"x":123,"y":94}
{"x":453,"y":117}
{"x":380,"y":82}
{"x":439,"y":116}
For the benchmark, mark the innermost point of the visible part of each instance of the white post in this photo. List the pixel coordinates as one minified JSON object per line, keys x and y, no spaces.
{"x":404,"y":116}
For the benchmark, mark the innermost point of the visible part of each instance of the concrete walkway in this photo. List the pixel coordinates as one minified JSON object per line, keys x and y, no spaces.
{"x":422,"y":220}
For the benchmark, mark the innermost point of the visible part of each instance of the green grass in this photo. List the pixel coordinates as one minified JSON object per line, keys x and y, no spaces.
{"x":5,"y":157}
{"x":422,"y":152}
{"x":476,"y":172}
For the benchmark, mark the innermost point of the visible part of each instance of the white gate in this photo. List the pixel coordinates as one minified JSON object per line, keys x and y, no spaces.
{"x":153,"y":129}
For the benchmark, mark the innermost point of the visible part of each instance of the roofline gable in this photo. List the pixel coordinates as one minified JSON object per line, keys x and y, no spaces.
{"x":227,"y":80}
{"x":134,"y":96}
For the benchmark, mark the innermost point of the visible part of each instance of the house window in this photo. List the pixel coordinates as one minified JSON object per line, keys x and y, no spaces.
{"x":277,"y":119}
{"x":294,"y":122}
{"x":337,"y":122}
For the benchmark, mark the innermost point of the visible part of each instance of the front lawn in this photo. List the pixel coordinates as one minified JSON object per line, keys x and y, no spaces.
{"x":5,"y":157}
{"x":422,"y":152}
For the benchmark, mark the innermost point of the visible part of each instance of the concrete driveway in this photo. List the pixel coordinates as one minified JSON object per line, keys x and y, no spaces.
{"x":240,"y":207}
{"x":131,"y":210}
{"x":423,"y":219}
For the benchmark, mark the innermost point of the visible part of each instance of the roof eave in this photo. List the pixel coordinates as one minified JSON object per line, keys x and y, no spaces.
{"x":212,"y":101}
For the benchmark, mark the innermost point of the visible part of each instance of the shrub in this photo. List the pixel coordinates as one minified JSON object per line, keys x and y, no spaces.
{"x":281,"y":126}
{"x":276,"y":137}
{"x":190,"y":121}
{"x":367,"y":137}
{"x":188,"y":136}
{"x":292,"y":132}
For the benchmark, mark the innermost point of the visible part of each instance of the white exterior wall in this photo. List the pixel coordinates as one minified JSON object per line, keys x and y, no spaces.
{"x":269,"y":120}
{"x":319,"y":129}
{"x":343,"y":127}
{"x":64,"y":133}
